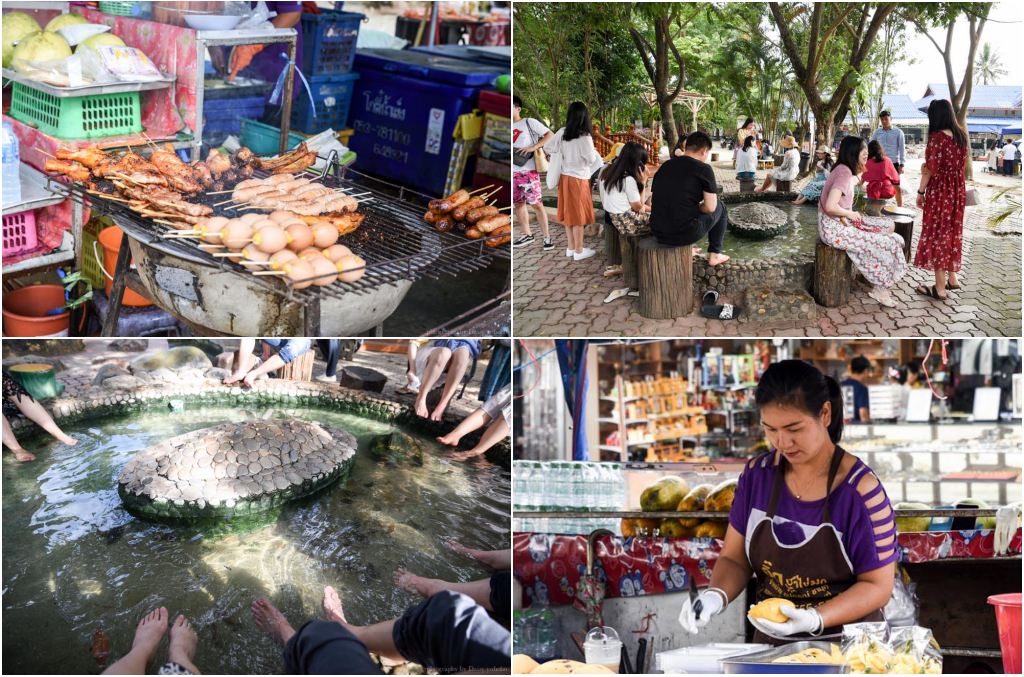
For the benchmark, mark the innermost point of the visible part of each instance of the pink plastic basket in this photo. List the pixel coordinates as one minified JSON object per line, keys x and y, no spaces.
{"x":19,"y":233}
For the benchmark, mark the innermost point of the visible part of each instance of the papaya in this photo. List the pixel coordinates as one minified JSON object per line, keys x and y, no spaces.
{"x":769,"y":610}
{"x":632,"y":527}
{"x":720,"y":498}
{"x":523,"y":664}
{"x":694,"y":501}
{"x":711,"y":529}
{"x":664,"y":495}
{"x":908,"y":524}
{"x":673,"y":528}
{"x":566,"y":667}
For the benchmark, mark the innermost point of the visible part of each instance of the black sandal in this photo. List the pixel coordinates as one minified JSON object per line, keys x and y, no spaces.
{"x":957,"y":287}
{"x":726,"y":311}
{"x":930,"y":292}
{"x":710,"y":298}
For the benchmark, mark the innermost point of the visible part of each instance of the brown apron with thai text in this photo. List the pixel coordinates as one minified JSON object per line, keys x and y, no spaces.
{"x":809,"y":574}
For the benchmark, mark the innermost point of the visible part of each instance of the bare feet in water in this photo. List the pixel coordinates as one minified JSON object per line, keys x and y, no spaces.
{"x":271,"y":621}
{"x":149,"y":632}
{"x":409,"y":581}
{"x":450,"y":440}
{"x":438,"y":412}
{"x":182,"y":648}
{"x":332,"y":606}
{"x":23,"y":455}
{"x":67,"y":439}
{"x":421,"y":406}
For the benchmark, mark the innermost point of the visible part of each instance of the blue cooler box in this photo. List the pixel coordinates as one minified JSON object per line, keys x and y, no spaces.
{"x":404,"y":110}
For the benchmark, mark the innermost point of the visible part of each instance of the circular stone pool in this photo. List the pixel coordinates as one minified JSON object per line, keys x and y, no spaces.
{"x":75,"y":562}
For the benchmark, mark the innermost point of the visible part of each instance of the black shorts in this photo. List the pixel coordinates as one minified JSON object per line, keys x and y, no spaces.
{"x":501,"y":596}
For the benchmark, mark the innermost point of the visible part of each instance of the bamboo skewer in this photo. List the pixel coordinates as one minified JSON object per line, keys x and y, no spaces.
{"x":473,"y":192}
{"x":269,"y":272}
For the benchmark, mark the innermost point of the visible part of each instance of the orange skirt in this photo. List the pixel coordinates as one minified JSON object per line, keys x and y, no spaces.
{"x":575,"y":203}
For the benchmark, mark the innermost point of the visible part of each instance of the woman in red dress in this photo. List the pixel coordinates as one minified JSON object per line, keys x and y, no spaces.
{"x":942,"y":196}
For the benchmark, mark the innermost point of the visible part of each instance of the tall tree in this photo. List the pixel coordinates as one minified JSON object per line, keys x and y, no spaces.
{"x":654,"y":39}
{"x":989,"y":65}
{"x":816,"y":35}
{"x":945,"y":15}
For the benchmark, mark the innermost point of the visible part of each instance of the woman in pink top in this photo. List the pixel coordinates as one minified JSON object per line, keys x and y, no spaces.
{"x":874,"y":248}
{"x":880,"y":176}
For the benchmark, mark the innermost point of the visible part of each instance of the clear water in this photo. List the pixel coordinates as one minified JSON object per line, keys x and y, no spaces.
{"x":75,"y":562}
{"x":799,"y":238}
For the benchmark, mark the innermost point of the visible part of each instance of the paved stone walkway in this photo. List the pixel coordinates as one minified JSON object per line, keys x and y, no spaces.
{"x":553,"y":296}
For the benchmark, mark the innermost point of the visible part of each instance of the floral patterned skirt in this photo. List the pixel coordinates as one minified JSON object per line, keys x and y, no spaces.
{"x":812,"y":191}
{"x":631,"y":223}
{"x":874,"y":249}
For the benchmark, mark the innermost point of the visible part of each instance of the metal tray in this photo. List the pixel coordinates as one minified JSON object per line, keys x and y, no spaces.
{"x":762,"y":662}
{"x":89,"y":90}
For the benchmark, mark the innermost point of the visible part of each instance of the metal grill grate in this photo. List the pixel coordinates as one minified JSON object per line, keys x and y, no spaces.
{"x":393,"y":240}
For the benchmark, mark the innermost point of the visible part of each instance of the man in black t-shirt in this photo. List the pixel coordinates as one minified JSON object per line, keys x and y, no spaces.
{"x":685,"y":205}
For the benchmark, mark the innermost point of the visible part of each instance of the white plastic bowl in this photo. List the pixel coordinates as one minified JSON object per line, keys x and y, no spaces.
{"x":212,"y":22}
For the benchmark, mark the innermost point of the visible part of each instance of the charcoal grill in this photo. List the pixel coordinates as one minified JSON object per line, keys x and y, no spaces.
{"x":214,"y":295}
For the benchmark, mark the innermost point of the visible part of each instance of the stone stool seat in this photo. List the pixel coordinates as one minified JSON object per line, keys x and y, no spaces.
{"x":666,"y":279}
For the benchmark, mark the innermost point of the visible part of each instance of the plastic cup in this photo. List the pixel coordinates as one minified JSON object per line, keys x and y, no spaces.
{"x":1008,"y":620}
{"x":603,"y":647}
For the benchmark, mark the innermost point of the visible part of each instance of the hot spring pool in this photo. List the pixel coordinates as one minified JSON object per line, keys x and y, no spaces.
{"x":75,"y":562}
{"x":799,"y":238}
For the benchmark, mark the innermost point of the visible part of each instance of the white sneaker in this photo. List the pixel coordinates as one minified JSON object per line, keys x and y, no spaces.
{"x":570,"y":253}
{"x":324,"y":378}
{"x":585,"y":254}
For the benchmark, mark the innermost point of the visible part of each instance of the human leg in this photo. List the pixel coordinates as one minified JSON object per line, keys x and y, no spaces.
{"x":436,"y":362}
{"x":542,"y":219}
{"x":182,"y":648}
{"x":243,"y":360}
{"x":496,"y":432}
{"x":271,"y":621}
{"x":378,"y":638}
{"x":11,"y":442}
{"x":35,"y":412}
{"x":766,"y":185}
{"x":148,"y":634}
{"x":474,"y":421}
{"x":523,"y":218}
{"x":479,"y":591}
{"x":331,"y":349}
{"x":495,"y":559}
{"x":449,"y":631}
{"x":460,"y":362}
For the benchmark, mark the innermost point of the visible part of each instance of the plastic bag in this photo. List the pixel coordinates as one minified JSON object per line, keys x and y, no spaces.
{"x":902,"y":608}
{"x":78,"y":33}
{"x":255,"y":17}
{"x":915,"y":651}
{"x":66,"y":72}
{"x":866,"y":647}
{"x":114,"y":63}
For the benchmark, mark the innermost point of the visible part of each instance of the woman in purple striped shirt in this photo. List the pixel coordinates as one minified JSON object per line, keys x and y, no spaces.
{"x":810,"y":522}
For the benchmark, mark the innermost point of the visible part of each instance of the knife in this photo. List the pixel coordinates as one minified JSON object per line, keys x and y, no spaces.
{"x":697,"y":605}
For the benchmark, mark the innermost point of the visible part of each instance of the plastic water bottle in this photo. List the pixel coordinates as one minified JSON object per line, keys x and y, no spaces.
{"x":11,"y":166}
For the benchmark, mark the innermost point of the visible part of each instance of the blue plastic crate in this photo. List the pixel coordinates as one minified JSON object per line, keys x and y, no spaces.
{"x":333,"y":97}
{"x":405,"y":109}
{"x":223,"y":116}
{"x":263,"y":139}
{"x":329,"y":42}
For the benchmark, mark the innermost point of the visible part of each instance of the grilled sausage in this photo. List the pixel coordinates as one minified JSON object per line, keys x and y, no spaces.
{"x":473,"y":234}
{"x":499,"y":237}
{"x":492,"y":223}
{"x":475,"y":215}
{"x":460,"y":212}
{"x":449,"y":203}
{"x":431,"y":216}
{"x":443,"y":224}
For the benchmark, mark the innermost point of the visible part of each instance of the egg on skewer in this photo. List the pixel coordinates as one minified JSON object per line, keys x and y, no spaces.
{"x":270,"y":239}
{"x":282,"y":257}
{"x":301,"y":236}
{"x":209,"y":231}
{"x":325,"y":234}
{"x":299,"y":273}
{"x":280,"y":216}
{"x":336,"y":251}
{"x":236,"y":234}
{"x":351,"y":268}
{"x":325,"y":271}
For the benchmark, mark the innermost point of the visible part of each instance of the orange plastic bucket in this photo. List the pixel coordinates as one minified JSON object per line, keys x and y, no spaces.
{"x":1008,"y":620}
{"x":25,"y":311}
{"x":110,"y":240}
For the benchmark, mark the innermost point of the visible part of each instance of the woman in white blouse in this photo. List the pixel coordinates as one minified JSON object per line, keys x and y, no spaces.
{"x":746,"y":159}
{"x":790,"y":167}
{"x":578,"y":161}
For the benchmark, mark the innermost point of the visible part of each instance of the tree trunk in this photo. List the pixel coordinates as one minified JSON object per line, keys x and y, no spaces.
{"x":666,"y":280}
{"x":833,"y":276}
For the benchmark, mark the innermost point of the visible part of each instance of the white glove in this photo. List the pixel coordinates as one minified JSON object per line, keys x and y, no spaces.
{"x":800,"y":620}
{"x":1007,"y":518}
{"x":713,"y":602}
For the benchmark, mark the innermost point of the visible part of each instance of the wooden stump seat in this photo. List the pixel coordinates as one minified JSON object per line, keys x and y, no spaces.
{"x":666,"y":279}
{"x":612,"y":248}
{"x":299,"y":369}
{"x":905,"y":229}
{"x":627,"y":248}
{"x":747,"y":185}
{"x":874,"y":207}
{"x":783,"y":186}
{"x":833,"y":276}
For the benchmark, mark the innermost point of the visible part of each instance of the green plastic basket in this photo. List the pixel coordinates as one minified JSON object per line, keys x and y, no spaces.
{"x":91,"y":268}
{"x":77,"y":117}
{"x":119,"y":8}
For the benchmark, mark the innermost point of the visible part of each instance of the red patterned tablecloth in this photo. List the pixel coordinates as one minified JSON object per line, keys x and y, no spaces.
{"x":549,"y":566}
